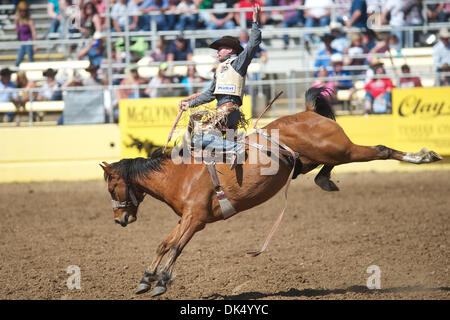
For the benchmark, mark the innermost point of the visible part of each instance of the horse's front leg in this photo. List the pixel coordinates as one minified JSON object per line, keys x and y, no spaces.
{"x":150,"y":274}
{"x":188,"y":226}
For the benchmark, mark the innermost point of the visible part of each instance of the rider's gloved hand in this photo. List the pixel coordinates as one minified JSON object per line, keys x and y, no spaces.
{"x":183,"y":105}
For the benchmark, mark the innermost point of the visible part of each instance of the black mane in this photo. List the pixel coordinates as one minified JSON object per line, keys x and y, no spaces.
{"x":130,"y":169}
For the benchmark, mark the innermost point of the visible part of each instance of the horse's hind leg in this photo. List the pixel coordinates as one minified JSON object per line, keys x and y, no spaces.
{"x":323,"y":179}
{"x":362,"y":153}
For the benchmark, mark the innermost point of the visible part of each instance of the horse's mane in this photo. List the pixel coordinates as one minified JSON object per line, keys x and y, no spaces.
{"x":318,"y":100}
{"x":130,"y":169}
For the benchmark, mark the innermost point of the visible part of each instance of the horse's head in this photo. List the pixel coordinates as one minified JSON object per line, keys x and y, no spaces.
{"x":125,"y":197}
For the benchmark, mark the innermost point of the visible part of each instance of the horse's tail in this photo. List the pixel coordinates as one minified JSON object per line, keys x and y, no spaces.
{"x":318,"y":100}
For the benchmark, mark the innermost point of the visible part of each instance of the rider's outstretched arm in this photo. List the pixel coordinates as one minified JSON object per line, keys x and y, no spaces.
{"x":199,"y":98}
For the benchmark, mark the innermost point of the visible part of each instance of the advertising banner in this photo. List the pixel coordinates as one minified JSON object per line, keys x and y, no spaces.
{"x":422,"y":119}
{"x":145,"y":123}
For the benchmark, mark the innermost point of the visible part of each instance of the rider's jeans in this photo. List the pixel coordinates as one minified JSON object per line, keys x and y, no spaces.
{"x":215,"y":142}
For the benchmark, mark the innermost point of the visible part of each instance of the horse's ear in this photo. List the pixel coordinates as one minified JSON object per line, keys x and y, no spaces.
{"x":106,"y":167}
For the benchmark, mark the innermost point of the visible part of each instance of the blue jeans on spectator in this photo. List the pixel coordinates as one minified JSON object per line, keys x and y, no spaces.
{"x":187,"y":22}
{"x":210,"y":25}
{"x":25,"y":49}
{"x":399,"y":35}
{"x":311,"y":22}
{"x":387,"y":99}
{"x":163,"y":22}
{"x":292,"y":22}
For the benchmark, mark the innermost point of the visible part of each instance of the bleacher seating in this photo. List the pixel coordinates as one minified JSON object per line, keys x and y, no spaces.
{"x":294,"y":64}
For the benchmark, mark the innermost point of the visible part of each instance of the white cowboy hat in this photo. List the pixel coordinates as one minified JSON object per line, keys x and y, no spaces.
{"x":443,"y":33}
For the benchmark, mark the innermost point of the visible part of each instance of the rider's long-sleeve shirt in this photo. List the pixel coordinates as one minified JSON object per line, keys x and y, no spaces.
{"x":240,"y":64}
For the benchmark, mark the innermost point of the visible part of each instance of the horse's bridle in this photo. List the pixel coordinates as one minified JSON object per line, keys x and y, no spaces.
{"x":127,"y":203}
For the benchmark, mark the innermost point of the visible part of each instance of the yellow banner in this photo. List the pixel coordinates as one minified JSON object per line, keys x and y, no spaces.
{"x":422,"y":118}
{"x":145,"y":123}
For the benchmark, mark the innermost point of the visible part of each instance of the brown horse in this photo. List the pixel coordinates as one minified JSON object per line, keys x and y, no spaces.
{"x":189,"y":191}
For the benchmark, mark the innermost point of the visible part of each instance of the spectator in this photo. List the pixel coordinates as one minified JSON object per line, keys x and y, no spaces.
{"x":95,"y":50}
{"x":340,"y":42}
{"x":358,"y":15}
{"x":90,"y":22}
{"x":191,"y":78}
{"x":444,"y":80}
{"x":53,"y":13}
{"x":323,"y":80}
{"x":153,"y":90}
{"x":138,"y":46}
{"x":92,"y":81}
{"x":367,"y":41}
{"x":100,"y":6}
{"x":354,"y":50}
{"x":188,"y":15}
{"x":5,"y":83}
{"x":381,"y":46}
{"x":317,"y":12}
{"x":407,"y":81}
{"x":203,"y":17}
{"x":248,"y":15}
{"x":392,"y":9}
{"x":161,"y":51}
{"x":374,"y":63}
{"x":412,"y":12}
{"x":374,"y":7}
{"x":132,"y":78}
{"x":220,"y":20}
{"x":25,"y":32}
{"x":324,"y":55}
{"x":342,"y":12}
{"x":163,"y":21}
{"x":337,"y":62}
{"x":378,"y":93}
{"x":23,"y":83}
{"x":171,"y":91}
{"x":50,"y":90}
{"x":179,"y":50}
{"x":441,"y":50}
{"x":119,"y":13}
{"x":291,"y":18}
{"x":436,"y":12}
{"x":394,"y":44}
{"x":261,"y":53}
{"x":68,"y":11}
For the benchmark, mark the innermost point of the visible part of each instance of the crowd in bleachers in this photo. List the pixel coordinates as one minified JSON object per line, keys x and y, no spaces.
{"x":338,"y":50}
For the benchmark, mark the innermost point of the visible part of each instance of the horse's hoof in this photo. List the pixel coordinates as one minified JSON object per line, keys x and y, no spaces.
{"x":158,"y":291}
{"x":325,"y":183}
{"x":332,"y":186}
{"x":142,"y":287}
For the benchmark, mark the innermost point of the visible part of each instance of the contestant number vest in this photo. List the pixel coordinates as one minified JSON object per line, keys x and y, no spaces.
{"x":228,"y":80}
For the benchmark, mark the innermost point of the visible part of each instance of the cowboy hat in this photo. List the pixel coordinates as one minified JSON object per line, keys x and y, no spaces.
{"x":445,"y":67}
{"x":227,"y":41}
{"x":335,"y":25}
{"x":91,"y":67}
{"x":336,"y":58}
{"x":6,"y":72}
{"x":327,"y":37}
{"x":443,"y":33}
{"x":49,"y":72}
{"x":376,"y":62}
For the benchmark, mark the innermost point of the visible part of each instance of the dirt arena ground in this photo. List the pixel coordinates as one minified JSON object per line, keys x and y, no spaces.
{"x":397,"y":221}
